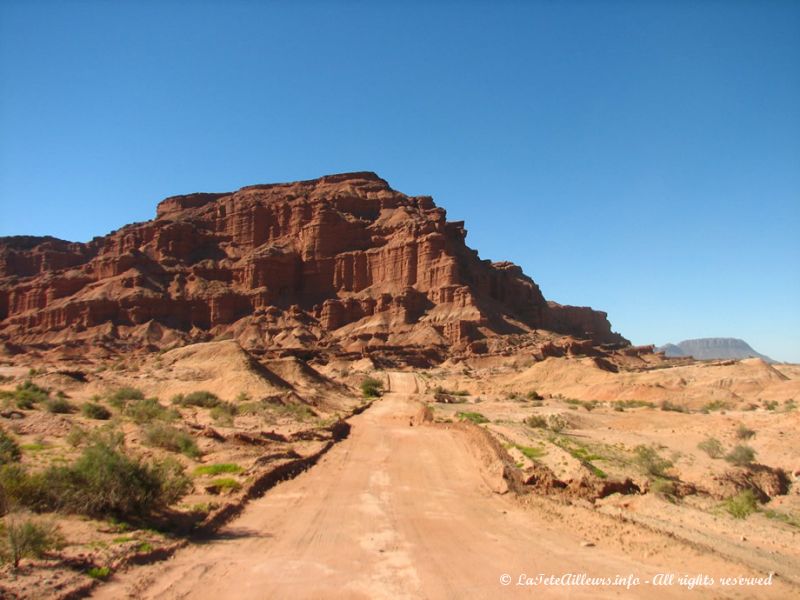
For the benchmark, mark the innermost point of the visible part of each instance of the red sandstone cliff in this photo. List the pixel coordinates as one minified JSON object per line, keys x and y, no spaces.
{"x":340,"y":263}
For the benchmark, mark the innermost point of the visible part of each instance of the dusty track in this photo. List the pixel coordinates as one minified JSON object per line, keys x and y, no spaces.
{"x":394,"y":511}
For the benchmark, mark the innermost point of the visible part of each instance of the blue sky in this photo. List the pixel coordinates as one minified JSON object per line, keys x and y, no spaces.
{"x":639,"y":157}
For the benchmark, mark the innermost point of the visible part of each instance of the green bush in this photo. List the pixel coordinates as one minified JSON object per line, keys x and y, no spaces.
{"x":172,"y":439}
{"x":371,"y":387}
{"x":741,"y":456}
{"x":712,"y":447}
{"x":121,"y":397}
{"x":531,"y":453}
{"x":58,"y":406}
{"x":534,"y":395}
{"x":621,"y":405}
{"x":442,"y":390}
{"x":101,"y":573}
{"x":224,"y":412}
{"x":473,"y":417}
{"x":224,"y":484}
{"x":666,"y":489}
{"x":536,"y":421}
{"x":217,"y":469}
{"x":28,"y":394}
{"x":716,"y":405}
{"x":200,"y":398}
{"x":103,"y":481}
{"x":744,"y":433}
{"x":648,"y":459}
{"x":669,"y":406}
{"x":271,"y":409}
{"x":9,"y":448}
{"x":554,"y":422}
{"x":93,"y":410}
{"x":27,"y":538}
{"x":148,"y":410}
{"x":742,"y":505}
{"x":14,"y":486}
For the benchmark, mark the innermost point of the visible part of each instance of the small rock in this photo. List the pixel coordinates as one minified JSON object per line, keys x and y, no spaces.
{"x":742,"y":538}
{"x":586,"y":544}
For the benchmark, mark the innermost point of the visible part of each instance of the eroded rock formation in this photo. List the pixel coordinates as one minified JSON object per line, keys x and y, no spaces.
{"x":343,"y":263}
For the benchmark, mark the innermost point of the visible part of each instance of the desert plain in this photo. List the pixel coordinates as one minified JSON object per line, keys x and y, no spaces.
{"x":317,"y":390}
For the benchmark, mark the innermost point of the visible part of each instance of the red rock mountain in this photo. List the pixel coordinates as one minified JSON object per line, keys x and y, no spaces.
{"x":339,"y":264}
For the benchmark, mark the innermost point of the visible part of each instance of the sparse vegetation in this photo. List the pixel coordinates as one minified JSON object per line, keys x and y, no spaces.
{"x":27,"y":538}
{"x":371,"y":387}
{"x":787,"y":518}
{"x":712,"y":447}
{"x":270,"y":410}
{"x":169,"y":438}
{"x":651,"y":462}
{"x":93,"y":410}
{"x":472,"y":417}
{"x":580,"y":453}
{"x":742,"y":505}
{"x":534,"y":395}
{"x":741,"y":455}
{"x":744,"y":433}
{"x":587,"y":404}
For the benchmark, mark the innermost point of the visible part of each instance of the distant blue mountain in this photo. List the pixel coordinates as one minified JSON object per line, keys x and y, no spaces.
{"x":713,"y":348}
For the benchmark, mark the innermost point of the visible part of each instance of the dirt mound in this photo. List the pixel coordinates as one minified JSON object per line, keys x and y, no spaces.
{"x":223,"y":368}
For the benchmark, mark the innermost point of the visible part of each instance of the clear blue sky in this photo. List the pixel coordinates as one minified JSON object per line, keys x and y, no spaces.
{"x":639,"y":157}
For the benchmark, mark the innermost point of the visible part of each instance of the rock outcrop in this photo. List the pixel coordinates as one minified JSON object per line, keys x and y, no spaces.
{"x":343,"y":263}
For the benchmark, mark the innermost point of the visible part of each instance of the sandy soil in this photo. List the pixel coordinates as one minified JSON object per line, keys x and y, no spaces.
{"x":403,"y":510}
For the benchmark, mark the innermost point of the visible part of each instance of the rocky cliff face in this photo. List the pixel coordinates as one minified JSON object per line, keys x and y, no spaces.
{"x":343,"y":263}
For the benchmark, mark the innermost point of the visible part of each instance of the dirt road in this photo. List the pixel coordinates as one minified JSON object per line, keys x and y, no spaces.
{"x":394,"y":511}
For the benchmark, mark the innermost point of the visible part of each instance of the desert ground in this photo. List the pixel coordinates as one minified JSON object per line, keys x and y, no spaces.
{"x":473,"y":479}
